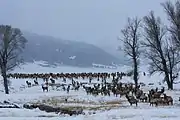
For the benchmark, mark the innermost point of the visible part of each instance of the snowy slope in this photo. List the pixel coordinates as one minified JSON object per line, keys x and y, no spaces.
{"x":20,"y":94}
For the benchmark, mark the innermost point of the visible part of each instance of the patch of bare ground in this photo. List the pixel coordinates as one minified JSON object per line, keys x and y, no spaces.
{"x":114,"y":102}
{"x":76,"y":104}
{"x":58,"y":101}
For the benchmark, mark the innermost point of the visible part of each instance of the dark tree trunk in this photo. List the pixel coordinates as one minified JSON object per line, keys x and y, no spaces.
{"x":4,"y":75}
{"x":168,"y":82}
{"x":135,"y":72}
{"x":171,"y":80}
{"x":166,"y":71}
{"x":6,"y":84}
{"x":171,"y":85}
{"x":167,"y":79}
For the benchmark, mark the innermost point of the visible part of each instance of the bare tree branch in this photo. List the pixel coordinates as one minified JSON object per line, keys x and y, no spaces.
{"x":173,"y":14}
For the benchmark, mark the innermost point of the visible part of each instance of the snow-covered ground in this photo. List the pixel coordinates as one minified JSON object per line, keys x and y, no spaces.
{"x":105,"y":107}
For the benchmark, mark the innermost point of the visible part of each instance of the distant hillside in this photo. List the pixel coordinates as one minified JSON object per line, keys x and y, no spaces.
{"x":53,"y":50}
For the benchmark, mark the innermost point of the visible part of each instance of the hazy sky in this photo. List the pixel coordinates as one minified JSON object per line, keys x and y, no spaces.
{"x":93,"y":21}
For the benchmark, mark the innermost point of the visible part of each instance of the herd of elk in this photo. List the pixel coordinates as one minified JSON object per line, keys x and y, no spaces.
{"x":133,"y":94}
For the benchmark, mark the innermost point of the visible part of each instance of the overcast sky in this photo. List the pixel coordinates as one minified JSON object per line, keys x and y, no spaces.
{"x":93,"y":21}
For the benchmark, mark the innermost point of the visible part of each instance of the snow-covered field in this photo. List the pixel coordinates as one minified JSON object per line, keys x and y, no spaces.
{"x":105,"y":107}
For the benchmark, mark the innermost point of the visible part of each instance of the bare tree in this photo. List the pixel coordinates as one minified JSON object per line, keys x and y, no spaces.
{"x":159,"y":50}
{"x":12,"y":44}
{"x":173,"y":14}
{"x":172,"y":57}
{"x":130,"y":39}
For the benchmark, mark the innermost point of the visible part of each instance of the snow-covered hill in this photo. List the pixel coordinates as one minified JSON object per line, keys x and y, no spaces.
{"x":66,"y":52}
